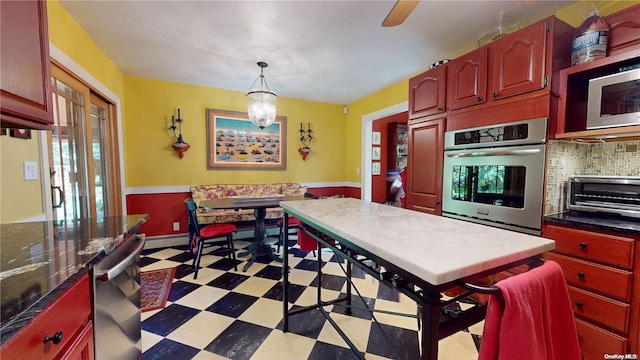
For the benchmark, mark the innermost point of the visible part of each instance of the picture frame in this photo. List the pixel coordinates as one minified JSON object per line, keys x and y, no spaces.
{"x":234,"y":142}
{"x":375,"y":153}
{"x":20,"y":133}
{"x":375,"y":138}
{"x":375,"y":168}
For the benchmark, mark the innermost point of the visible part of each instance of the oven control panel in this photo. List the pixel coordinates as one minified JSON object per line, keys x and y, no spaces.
{"x":515,"y":133}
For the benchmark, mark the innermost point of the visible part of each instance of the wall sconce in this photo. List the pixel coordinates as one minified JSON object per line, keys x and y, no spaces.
{"x":305,"y":138}
{"x":179,"y":146}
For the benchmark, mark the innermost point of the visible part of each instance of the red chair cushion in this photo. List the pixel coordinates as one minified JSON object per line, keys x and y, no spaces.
{"x":292,"y":221}
{"x":215,"y":230}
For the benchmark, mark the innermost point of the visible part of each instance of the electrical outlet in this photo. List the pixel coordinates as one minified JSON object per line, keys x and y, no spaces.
{"x":176,"y":226}
{"x":358,"y":171}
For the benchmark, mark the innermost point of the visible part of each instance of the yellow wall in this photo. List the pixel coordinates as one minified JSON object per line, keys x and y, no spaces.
{"x":68,"y":36}
{"x":150,"y":160}
{"x":21,"y":199}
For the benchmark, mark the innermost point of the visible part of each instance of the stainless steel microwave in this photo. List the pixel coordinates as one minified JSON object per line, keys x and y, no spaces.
{"x":614,"y":100}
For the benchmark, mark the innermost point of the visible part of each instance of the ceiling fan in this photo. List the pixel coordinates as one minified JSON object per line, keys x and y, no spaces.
{"x":399,"y":12}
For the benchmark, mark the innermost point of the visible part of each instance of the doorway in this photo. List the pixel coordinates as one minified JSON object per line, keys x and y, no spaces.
{"x":367,"y":131}
{"x":83,"y":151}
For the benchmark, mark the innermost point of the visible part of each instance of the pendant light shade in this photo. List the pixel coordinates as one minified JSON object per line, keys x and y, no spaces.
{"x":261,"y":101}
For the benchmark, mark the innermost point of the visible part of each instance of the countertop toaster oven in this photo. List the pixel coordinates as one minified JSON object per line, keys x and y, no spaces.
{"x":605,"y":194}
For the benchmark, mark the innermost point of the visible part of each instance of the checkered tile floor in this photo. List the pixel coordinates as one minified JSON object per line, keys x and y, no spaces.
{"x":227,"y":314}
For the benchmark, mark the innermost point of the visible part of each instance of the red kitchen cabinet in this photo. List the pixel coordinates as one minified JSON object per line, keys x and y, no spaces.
{"x":25,"y":84}
{"x":467,"y":79}
{"x":424,"y":171}
{"x":518,"y":62}
{"x":601,"y":269}
{"x":63,"y":330}
{"x":427,"y":93}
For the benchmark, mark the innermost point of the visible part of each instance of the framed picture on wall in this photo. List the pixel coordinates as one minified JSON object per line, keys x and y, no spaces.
{"x":375,"y":153}
{"x":20,"y":133}
{"x":375,"y":168}
{"x":375,"y":138}
{"x":234,"y":142}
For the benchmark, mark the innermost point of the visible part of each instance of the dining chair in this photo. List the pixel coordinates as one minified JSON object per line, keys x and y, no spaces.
{"x":208,"y":235}
{"x":294,"y":224}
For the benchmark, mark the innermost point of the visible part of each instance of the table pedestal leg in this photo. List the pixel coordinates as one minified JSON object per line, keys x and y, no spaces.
{"x":259,"y":247}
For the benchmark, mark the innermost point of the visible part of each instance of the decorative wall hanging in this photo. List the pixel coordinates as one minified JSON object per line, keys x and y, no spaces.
{"x":305,"y":138}
{"x":180,"y":146}
{"x":375,"y":138}
{"x":234,"y":142}
{"x":375,"y":168}
{"x":375,"y":153}
{"x":20,"y":133}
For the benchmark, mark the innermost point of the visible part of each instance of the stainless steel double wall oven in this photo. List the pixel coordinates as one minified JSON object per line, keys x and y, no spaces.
{"x":494,"y":175}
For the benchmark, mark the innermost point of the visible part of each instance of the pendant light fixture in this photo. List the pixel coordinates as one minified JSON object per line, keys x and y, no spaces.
{"x":262,"y":101}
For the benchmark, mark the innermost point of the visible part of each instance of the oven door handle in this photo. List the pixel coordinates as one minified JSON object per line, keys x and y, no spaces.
{"x":496,"y":152}
{"x":117,"y":269}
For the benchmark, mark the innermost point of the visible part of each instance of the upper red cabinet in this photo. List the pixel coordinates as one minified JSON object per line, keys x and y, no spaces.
{"x":467,"y":79}
{"x":25,"y":90}
{"x":427,"y":93}
{"x":518,"y":62}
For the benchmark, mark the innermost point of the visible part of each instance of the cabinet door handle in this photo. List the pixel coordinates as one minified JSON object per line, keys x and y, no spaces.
{"x":579,"y":303}
{"x":583,"y":245}
{"x":495,"y":95}
{"x":581,"y":275}
{"x":480,"y":99}
{"x":440,"y":109}
{"x":55,"y":339}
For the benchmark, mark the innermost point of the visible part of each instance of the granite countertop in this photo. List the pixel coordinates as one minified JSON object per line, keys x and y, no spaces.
{"x":596,"y":221}
{"x":40,"y":260}
{"x":434,"y":248}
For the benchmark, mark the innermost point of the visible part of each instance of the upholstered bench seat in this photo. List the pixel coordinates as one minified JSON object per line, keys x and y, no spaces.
{"x":200,"y":193}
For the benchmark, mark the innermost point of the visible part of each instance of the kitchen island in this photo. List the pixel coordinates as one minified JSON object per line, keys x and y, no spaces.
{"x":42,"y":260}
{"x":419,"y":254}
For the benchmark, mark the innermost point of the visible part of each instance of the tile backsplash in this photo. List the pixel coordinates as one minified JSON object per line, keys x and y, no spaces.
{"x":566,"y":158}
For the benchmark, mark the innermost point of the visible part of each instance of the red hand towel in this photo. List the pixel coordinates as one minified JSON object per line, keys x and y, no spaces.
{"x":531,"y":318}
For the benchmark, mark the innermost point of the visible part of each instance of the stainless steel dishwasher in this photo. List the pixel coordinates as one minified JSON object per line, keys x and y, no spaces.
{"x":117,"y":302}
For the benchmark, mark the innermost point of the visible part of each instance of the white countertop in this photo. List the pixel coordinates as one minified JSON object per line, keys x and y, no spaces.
{"x":434,"y":248}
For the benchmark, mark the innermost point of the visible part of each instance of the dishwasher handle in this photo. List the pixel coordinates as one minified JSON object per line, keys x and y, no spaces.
{"x":125,"y":263}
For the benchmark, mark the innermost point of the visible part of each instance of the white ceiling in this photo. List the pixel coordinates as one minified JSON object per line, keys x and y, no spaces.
{"x":327,"y":51}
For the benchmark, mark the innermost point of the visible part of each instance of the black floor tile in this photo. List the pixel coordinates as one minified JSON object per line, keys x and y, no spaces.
{"x":307,"y":264}
{"x":183,"y":270}
{"x":144,"y":261}
{"x":167,"y":349}
{"x":228,"y":281}
{"x":169,"y":319}
{"x":387,"y":293}
{"x":233,"y":304}
{"x":331,"y":282}
{"x":404,"y":341}
{"x":181,"y":257}
{"x":224,"y":264}
{"x":181,"y":288}
{"x":270,"y":272}
{"x":275,"y":293}
{"x":239,"y":341}
{"x":358,"y":308}
{"x":323,"y":351}
{"x":307,"y":323}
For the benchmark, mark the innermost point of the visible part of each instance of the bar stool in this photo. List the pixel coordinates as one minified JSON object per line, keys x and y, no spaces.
{"x":209,"y":235}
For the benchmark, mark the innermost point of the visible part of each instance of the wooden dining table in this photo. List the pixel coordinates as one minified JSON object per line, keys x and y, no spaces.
{"x":259,"y":205}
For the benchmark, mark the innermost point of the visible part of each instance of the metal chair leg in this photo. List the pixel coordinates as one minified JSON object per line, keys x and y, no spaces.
{"x":196,"y":261}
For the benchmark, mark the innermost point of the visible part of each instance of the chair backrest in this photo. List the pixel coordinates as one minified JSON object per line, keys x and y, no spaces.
{"x":194,"y":227}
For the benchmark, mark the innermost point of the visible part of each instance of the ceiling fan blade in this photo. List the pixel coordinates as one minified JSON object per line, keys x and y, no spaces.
{"x":399,"y":13}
